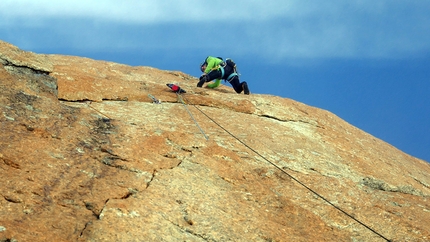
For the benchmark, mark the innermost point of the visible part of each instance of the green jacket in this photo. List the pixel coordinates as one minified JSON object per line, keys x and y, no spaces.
{"x":213,"y":63}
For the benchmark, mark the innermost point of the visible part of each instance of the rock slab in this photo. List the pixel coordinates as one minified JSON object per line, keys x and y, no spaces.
{"x":86,"y":156}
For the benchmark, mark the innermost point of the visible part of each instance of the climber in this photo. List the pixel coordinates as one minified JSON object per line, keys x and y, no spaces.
{"x":215,"y":68}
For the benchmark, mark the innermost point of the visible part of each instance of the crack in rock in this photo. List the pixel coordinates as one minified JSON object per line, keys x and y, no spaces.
{"x":110,"y":161}
{"x":290,"y":120}
{"x":85,"y":227}
{"x":101,"y":215}
{"x":12,"y":199}
{"x":86,"y":100}
{"x":190,"y":231}
{"x":21,"y":68}
{"x":422,"y":183}
{"x":10,"y":163}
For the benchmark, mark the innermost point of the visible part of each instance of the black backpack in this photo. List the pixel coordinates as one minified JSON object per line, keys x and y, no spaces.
{"x":228,"y":62}
{"x":231,"y":63}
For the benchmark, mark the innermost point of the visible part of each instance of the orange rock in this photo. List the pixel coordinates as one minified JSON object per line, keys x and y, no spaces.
{"x":86,"y":156}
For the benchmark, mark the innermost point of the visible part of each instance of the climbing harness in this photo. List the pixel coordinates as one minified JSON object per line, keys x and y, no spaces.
{"x":231,"y":76}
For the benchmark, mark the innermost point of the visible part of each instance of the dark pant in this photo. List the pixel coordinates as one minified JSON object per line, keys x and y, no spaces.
{"x":217,"y":74}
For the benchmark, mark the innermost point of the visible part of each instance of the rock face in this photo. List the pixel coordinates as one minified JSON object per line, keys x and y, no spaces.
{"x":86,"y":156}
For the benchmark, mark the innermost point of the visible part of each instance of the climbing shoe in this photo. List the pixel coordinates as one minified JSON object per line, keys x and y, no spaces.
{"x":245,"y":88}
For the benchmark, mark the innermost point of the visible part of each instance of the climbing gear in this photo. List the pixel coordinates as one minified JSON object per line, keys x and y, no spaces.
{"x":231,"y":76}
{"x":154,"y":100}
{"x":228,"y":62}
{"x":222,"y":71}
{"x":176,"y":88}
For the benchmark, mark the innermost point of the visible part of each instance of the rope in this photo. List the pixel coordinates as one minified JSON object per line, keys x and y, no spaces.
{"x":295,"y":179}
{"x":186,"y":108}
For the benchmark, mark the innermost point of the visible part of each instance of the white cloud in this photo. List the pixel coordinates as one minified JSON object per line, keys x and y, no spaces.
{"x":349,"y":29}
{"x":273,"y":29}
{"x":148,"y":11}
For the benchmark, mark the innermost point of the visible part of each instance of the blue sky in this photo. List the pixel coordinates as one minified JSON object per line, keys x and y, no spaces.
{"x":366,"y":61}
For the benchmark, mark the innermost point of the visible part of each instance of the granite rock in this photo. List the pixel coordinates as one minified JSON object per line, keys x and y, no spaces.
{"x":85,"y":155}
